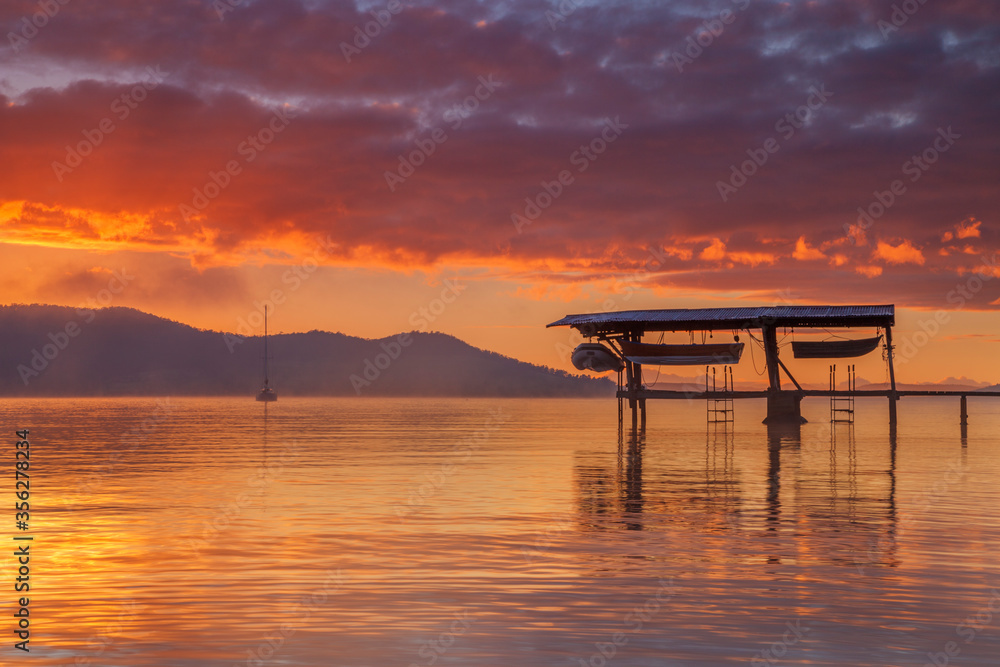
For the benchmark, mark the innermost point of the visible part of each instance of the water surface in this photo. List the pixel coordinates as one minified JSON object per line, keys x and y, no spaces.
{"x":189,"y":531}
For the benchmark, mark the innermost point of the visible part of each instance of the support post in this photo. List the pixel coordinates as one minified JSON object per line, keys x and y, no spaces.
{"x":642,"y":401}
{"x":893,"y":396}
{"x":631,"y":370}
{"x":770,"y":335}
{"x":630,"y":388}
{"x":782,"y":406}
{"x":620,"y":387}
{"x":965,"y":410}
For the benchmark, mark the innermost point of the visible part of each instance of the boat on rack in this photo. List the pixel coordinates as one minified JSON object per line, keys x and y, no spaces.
{"x":834,"y":349}
{"x":655,"y":354}
{"x":596,"y":357}
{"x":266,"y":393}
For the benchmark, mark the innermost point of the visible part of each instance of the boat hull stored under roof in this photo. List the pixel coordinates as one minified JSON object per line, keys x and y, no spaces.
{"x":834,"y":349}
{"x":596,"y":357}
{"x":648,"y":354}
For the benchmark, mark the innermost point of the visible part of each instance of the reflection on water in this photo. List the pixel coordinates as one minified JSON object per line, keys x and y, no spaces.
{"x":508,"y":532}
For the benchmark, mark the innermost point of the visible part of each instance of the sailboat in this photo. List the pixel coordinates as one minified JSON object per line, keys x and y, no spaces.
{"x":266,"y":394}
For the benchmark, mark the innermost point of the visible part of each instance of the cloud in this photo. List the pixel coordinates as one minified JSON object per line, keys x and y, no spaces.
{"x":716,"y":250}
{"x":904,"y":253}
{"x":963,"y":230}
{"x":804,"y":252}
{"x":869,"y":270}
{"x":968,"y":229}
{"x":324,"y":173}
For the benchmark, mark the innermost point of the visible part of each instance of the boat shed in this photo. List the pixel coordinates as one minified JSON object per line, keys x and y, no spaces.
{"x":630,"y":325}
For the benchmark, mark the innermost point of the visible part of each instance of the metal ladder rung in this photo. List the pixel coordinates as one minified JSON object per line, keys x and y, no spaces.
{"x":838,"y":414}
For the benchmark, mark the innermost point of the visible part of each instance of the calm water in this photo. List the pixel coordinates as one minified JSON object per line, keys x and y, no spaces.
{"x":504,"y":532}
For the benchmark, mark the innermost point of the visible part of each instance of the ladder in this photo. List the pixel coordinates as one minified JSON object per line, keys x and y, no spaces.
{"x":720,"y":410}
{"x":842,"y":407}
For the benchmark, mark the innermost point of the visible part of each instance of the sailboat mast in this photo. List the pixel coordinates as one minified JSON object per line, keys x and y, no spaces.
{"x":265,"y":347}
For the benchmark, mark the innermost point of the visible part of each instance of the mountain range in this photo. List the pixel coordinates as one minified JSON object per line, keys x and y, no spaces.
{"x":61,"y":351}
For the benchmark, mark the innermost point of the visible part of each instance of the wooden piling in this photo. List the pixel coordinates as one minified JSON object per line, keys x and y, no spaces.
{"x":642,"y":401}
{"x":770,"y":334}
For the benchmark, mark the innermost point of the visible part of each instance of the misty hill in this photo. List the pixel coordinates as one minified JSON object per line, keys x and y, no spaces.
{"x":921,"y":386}
{"x":61,"y":351}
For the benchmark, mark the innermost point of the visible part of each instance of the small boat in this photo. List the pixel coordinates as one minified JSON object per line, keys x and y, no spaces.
{"x":834,"y":349}
{"x":649,"y":354}
{"x":596,"y":357}
{"x":266,"y":393}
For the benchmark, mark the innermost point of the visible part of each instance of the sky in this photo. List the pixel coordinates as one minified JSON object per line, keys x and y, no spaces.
{"x":484,"y":168}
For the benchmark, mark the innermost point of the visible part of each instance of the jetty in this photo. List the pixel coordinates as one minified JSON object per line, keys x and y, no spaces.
{"x":622,"y":333}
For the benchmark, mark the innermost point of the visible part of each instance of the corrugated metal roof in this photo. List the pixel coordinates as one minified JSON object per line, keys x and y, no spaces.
{"x":733,"y":318}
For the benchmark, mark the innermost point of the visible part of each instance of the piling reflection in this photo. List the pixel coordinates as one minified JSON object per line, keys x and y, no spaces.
{"x":823,"y":487}
{"x":630,"y":491}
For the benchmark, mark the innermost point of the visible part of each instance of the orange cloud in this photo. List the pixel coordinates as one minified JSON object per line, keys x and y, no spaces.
{"x":858,"y":234}
{"x":804,"y":252}
{"x":968,"y":229}
{"x":904,"y":253}
{"x":869,"y":270}
{"x":715,"y":251}
{"x":752,"y":258}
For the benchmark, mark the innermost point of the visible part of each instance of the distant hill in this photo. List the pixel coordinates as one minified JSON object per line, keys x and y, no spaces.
{"x":921,"y":386}
{"x":61,"y":351}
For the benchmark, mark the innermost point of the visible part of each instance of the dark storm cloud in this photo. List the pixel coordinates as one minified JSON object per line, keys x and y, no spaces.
{"x":697,"y":89}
